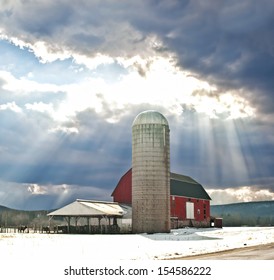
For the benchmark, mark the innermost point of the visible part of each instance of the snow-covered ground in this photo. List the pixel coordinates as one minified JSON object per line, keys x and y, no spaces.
{"x":180,"y":242}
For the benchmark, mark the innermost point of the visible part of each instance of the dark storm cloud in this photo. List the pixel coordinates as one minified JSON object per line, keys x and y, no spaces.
{"x":51,"y":12}
{"x":229,"y":43}
{"x":31,"y":154}
{"x":218,"y":154}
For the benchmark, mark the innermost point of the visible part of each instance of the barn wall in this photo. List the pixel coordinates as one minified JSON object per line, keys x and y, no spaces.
{"x":123,"y":194}
{"x":178,"y":208}
{"x":123,"y":191}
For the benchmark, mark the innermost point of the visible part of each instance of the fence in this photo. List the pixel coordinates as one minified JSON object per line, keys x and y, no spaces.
{"x":107,"y":229}
{"x":20,"y":229}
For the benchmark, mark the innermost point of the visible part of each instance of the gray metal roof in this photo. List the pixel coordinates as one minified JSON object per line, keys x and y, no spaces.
{"x":150,"y":117}
{"x":89,"y":208}
{"x":127,"y":211}
{"x":182,"y":185}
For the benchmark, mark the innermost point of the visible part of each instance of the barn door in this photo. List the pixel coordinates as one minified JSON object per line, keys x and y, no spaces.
{"x":190,"y":210}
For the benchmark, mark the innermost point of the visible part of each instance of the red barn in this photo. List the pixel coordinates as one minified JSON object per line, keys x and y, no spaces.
{"x":189,"y":202}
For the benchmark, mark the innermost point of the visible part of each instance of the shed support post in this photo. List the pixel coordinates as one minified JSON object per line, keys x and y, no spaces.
{"x":76,"y":221}
{"x":88,"y":224}
{"x":99,"y":223}
{"x":68,"y":224}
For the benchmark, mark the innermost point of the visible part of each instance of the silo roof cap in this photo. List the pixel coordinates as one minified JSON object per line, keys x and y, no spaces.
{"x":150,"y":117}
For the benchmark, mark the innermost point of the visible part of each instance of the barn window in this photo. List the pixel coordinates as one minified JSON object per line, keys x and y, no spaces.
{"x":204,"y":212}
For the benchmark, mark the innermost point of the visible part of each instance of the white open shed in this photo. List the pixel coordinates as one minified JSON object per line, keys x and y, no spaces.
{"x":99,"y":216}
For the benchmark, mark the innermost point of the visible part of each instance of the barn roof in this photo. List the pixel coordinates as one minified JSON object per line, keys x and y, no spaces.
{"x":129,"y":171}
{"x":182,"y":185}
{"x":89,"y":208}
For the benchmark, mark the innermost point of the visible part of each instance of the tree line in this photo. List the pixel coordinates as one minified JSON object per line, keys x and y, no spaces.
{"x":14,"y":218}
{"x":236,"y":220}
{"x":259,"y":213}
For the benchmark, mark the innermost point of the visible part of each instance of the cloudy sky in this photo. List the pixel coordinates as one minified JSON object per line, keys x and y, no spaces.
{"x":74,"y":74}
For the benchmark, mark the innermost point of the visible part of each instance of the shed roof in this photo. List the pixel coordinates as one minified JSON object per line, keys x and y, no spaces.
{"x":182,"y":185}
{"x":89,"y":208}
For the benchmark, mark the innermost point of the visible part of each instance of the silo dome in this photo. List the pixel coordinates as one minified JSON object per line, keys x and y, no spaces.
{"x":150,"y":117}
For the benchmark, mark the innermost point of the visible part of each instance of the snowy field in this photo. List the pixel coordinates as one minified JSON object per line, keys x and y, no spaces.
{"x":180,"y":242}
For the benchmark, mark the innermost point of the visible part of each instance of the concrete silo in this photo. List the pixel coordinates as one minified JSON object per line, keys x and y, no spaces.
{"x":150,"y":173}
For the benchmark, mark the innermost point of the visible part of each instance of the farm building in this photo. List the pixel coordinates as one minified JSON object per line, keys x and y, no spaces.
{"x":153,"y":198}
{"x":189,"y":202}
{"x":89,"y":216}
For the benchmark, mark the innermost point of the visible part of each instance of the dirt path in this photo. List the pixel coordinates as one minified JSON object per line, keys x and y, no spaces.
{"x":259,"y":252}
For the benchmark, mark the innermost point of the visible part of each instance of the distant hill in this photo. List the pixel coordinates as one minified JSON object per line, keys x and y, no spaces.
{"x":259,"y":213}
{"x":3,"y":208}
